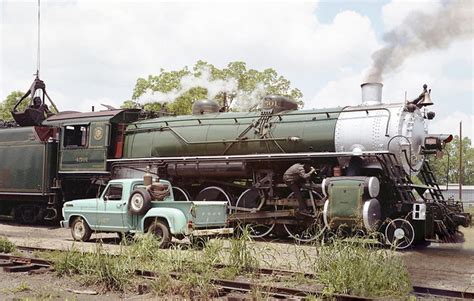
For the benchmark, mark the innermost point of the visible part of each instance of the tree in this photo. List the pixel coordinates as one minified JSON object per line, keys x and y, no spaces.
{"x":234,"y":86}
{"x":451,"y":153}
{"x":7,"y":105}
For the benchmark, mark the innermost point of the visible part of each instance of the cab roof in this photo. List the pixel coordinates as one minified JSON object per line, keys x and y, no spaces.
{"x":113,"y":116}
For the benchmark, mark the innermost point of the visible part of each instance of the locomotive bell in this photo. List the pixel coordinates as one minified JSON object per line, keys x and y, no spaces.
{"x":278,"y":103}
{"x":426,"y":101}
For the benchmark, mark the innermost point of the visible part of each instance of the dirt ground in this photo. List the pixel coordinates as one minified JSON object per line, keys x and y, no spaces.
{"x":448,"y":266}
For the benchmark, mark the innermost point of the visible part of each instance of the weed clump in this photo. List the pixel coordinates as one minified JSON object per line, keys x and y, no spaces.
{"x":6,"y":246}
{"x":362,"y":270}
{"x":241,"y":255}
{"x":98,"y":268}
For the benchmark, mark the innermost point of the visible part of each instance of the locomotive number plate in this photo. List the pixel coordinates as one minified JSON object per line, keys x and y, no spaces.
{"x":98,"y":133}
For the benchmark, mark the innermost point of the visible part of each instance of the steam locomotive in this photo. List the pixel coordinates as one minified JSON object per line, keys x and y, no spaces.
{"x":365,"y":157}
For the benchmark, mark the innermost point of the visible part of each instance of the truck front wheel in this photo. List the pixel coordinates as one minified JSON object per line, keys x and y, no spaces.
{"x":162,"y":232}
{"x":80,"y":230}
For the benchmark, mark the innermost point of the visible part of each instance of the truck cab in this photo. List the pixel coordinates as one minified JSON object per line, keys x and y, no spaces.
{"x":128,"y":206}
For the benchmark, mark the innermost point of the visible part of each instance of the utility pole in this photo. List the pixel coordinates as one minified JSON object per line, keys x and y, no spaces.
{"x":460,"y":162}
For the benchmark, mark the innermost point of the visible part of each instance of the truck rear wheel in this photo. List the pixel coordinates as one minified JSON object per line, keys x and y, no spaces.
{"x":161,"y":231}
{"x":139,"y":202}
{"x":199,"y":242}
{"x":80,"y":230}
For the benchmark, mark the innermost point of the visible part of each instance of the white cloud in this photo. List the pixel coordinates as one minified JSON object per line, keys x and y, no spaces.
{"x":447,"y":72}
{"x":338,"y":93}
{"x":450,"y":124}
{"x":93,"y":49}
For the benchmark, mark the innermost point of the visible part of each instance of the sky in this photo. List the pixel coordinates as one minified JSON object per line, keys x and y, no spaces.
{"x":93,"y":52}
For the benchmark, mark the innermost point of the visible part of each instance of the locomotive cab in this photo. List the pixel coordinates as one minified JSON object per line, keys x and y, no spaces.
{"x":89,"y":139}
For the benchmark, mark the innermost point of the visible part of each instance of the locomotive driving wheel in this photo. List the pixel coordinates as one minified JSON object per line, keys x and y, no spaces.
{"x":213,"y":193}
{"x":307,"y":227}
{"x":181,"y":194}
{"x":399,"y":234}
{"x":251,"y":201}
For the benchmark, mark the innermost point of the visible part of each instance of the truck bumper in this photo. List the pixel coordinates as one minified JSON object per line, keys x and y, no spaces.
{"x":64,"y":224}
{"x":212,"y":232}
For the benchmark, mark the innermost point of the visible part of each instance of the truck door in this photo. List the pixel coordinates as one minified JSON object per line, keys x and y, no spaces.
{"x":114,"y":216}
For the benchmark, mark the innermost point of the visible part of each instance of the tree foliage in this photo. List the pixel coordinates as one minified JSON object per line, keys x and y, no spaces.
{"x":247,"y":82}
{"x":451,"y":154}
{"x":8,"y":103}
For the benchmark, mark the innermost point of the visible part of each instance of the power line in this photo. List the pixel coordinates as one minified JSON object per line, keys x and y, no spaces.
{"x":39,"y":39}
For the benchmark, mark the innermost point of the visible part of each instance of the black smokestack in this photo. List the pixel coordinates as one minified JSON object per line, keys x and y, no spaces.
{"x":420,"y":32}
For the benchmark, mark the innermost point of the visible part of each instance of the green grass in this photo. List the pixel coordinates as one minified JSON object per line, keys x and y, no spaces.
{"x":98,"y":268}
{"x":242,"y":256}
{"x":22,"y":287}
{"x":6,"y":246}
{"x":347,"y":267}
{"x":362,"y":270}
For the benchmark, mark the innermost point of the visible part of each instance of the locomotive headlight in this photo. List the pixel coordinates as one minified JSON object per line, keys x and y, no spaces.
{"x":432,"y":143}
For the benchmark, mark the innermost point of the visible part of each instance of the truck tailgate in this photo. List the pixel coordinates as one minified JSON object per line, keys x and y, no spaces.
{"x":209,"y":214}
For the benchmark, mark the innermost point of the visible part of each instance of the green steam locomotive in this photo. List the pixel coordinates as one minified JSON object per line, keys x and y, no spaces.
{"x":364,"y":159}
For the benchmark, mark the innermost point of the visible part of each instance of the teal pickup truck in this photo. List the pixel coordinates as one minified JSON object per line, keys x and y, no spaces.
{"x":127,"y":206}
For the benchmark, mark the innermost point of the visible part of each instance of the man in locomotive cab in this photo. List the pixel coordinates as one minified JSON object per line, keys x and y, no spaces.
{"x":294,"y":177}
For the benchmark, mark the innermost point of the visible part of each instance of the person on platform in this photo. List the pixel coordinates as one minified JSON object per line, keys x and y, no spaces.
{"x":40,"y":106}
{"x":294,"y":177}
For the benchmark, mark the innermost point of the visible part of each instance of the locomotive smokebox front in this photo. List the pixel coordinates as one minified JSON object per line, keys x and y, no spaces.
{"x":371,"y":93}
{"x":376,"y":126}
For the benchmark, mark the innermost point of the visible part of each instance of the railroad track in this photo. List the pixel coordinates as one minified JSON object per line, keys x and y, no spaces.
{"x":11,"y":263}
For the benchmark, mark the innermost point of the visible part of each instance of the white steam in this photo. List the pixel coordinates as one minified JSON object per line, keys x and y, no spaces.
{"x":420,"y":32}
{"x":245,"y":101}
{"x":241,"y":100}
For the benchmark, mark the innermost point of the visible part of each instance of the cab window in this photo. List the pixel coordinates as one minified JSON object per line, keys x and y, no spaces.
{"x":76,"y":136}
{"x":114,"y":192}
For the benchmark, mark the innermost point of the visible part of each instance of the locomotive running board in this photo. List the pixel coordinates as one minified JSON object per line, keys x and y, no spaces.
{"x":253,"y":157}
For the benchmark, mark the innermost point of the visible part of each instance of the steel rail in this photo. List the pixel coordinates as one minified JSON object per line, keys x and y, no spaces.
{"x":269,"y":290}
{"x":438,"y":292}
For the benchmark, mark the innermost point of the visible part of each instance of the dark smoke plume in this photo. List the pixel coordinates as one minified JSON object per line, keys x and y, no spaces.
{"x":421,"y":32}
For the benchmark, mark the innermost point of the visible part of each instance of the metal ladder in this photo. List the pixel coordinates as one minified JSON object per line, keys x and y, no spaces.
{"x":397,"y":175}
{"x":428,"y":178}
